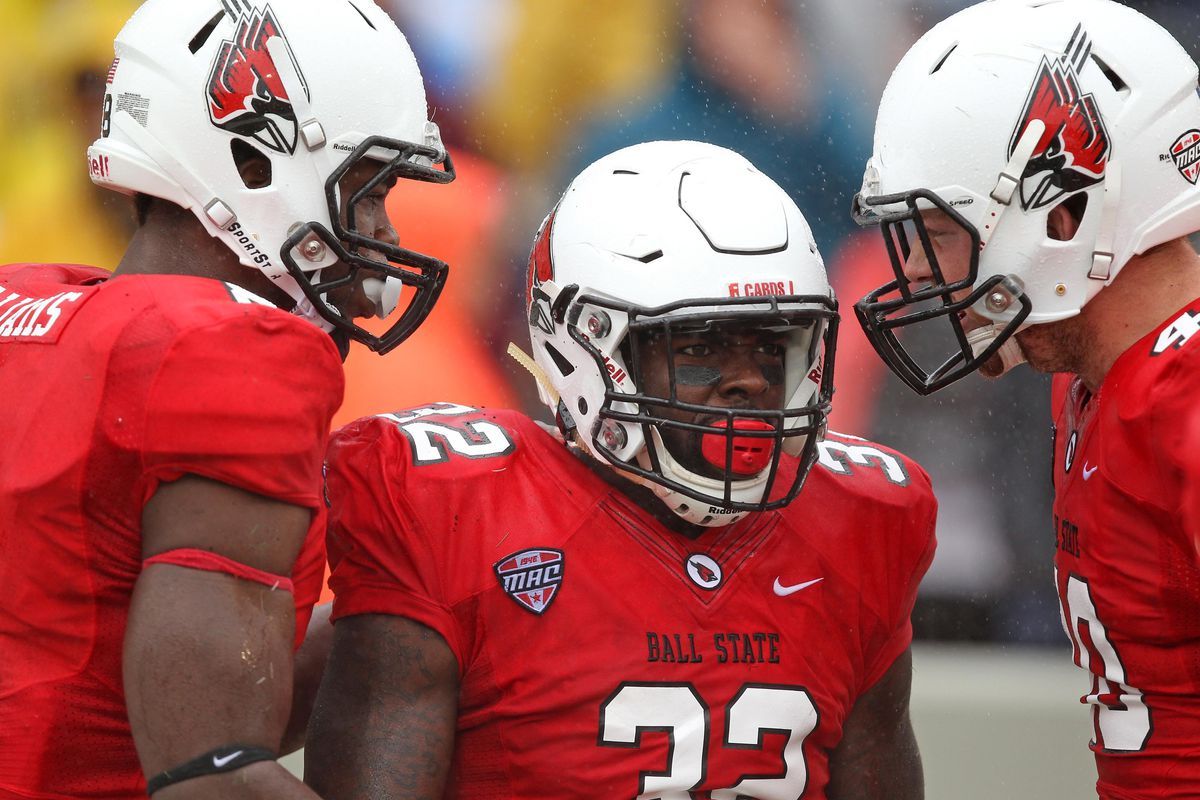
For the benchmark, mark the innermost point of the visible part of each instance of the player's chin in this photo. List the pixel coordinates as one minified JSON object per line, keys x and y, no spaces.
{"x":685,"y":447}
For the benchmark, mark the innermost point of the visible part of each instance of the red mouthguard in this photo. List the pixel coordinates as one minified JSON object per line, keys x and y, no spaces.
{"x":751,"y":455}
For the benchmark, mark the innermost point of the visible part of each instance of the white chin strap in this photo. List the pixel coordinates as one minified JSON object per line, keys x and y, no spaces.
{"x":708,"y":514}
{"x":305,"y":310}
{"x":1010,"y":353}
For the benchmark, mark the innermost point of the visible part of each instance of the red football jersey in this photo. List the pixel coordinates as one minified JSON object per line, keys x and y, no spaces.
{"x":111,"y":387}
{"x":602,"y":655}
{"x":1127,"y":528}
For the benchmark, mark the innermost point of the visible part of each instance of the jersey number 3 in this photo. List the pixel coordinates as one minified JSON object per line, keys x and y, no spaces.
{"x":677,"y":710}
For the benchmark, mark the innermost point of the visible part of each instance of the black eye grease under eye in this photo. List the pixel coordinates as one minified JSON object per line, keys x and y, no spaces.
{"x":695,"y":375}
{"x":773,"y":374}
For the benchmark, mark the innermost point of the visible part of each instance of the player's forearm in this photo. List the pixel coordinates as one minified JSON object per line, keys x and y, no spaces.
{"x":306,"y":676}
{"x":265,"y":780}
{"x":890,"y":770}
{"x":384,"y":723}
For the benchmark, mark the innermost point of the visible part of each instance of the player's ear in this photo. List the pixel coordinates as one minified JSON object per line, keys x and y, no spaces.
{"x":1064,"y":219}
{"x":253,"y":167}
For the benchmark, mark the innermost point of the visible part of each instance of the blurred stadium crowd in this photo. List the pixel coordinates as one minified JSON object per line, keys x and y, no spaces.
{"x":529,"y":91}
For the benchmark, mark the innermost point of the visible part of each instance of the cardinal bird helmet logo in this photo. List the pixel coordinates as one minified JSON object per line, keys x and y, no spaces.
{"x":1073,"y":152}
{"x":703,"y":570}
{"x":246,"y":95}
{"x":541,"y":269}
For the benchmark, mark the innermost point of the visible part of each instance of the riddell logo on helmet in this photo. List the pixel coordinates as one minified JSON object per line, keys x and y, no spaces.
{"x":1073,"y":152}
{"x":761,"y":289}
{"x":246,"y":95}
{"x":98,"y":167}
{"x":1186,"y":155}
{"x":815,"y":373}
{"x":616,"y":373}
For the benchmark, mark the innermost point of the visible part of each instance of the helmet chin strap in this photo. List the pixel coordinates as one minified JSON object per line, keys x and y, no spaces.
{"x":697,"y":512}
{"x":1102,"y":256}
{"x":1009,"y":179}
{"x":1010,"y":353}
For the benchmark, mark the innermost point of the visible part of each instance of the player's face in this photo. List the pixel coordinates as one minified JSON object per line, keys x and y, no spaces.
{"x":726,"y":367}
{"x":952,"y":249}
{"x":370,"y":219}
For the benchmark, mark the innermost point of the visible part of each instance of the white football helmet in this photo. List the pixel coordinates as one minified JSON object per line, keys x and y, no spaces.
{"x":666,"y":238}
{"x":997,"y":116}
{"x":315,"y":86}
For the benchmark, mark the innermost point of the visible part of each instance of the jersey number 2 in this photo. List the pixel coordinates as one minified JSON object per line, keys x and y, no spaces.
{"x":677,"y":710}
{"x":433,"y":442}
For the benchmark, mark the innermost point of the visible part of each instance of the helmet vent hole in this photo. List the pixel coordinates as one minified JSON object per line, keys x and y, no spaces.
{"x":646,"y":259}
{"x":941,"y":62}
{"x":1119,"y":85}
{"x":202,"y":35}
{"x":253,"y":167}
{"x":565,"y":367}
{"x":624,"y":172}
{"x":1063,"y":229}
{"x":364,"y":16}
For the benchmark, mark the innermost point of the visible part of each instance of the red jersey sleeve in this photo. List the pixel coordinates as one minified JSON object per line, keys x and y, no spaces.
{"x":910,"y":544}
{"x":382,"y":561}
{"x":245,"y":399}
{"x":1176,"y":439}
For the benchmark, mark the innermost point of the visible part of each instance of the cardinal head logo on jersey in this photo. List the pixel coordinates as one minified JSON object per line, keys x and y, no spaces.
{"x":703,"y":570}
{"x":531,"y":577}
{"x":246,"y":96}
{"x":1073,"y":152}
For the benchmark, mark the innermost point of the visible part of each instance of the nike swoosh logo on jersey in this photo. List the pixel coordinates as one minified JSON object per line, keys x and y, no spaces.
{"x":220,"y":762}
{"x":784,"y":591}
{"x":1087,"y":473}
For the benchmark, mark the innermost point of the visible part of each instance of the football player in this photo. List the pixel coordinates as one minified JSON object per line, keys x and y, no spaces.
{"x":648,"y":601}
{"x":161,"y":541}
{"x":1035,"y":175}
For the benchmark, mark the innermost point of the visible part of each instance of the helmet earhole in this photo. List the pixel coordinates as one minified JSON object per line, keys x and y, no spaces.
{"x":253,"y":167}
{"x":1064,"y":220}
{"x":583,"y":406}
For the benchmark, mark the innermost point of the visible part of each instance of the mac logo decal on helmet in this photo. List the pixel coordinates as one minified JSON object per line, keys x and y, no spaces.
{"x":1073,"y":151}
{"x":1186,"y":155}
{"x":245,"y":93}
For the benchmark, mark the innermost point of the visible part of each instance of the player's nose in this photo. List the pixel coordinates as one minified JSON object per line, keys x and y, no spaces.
{"x":916,"y":267}
{"x":741,"y":374}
